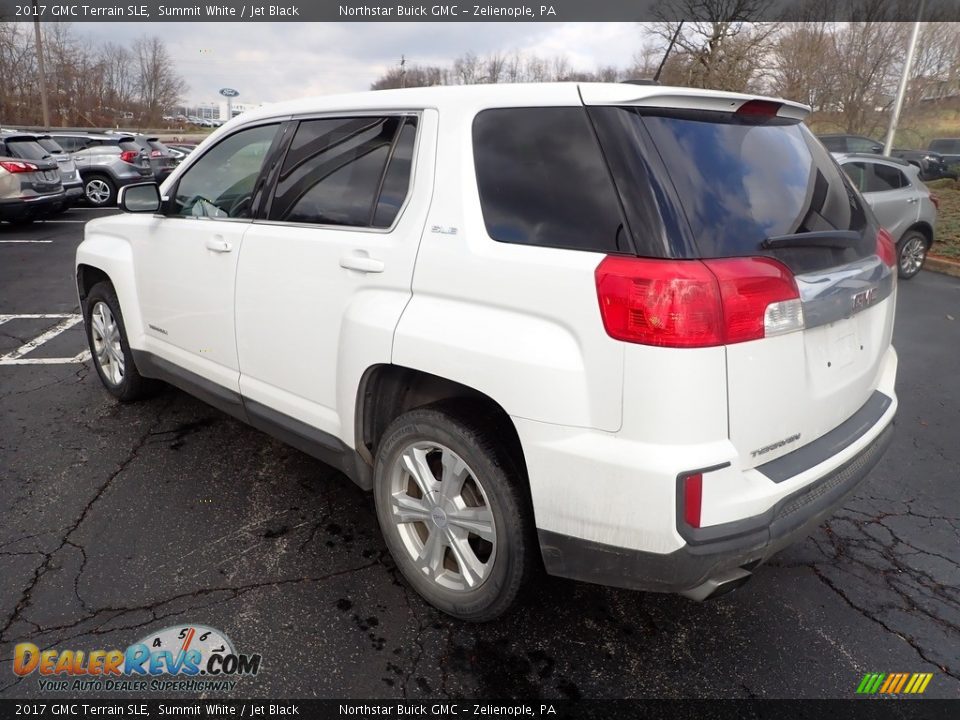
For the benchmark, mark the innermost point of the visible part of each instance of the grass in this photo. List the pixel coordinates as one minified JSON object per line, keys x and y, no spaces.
{"x":947,"y":242}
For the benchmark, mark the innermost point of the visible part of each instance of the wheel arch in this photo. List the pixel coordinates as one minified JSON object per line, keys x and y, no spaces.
{"x":924,"y":228}
{"x":102,"y":257}
{"x":387,"y":391}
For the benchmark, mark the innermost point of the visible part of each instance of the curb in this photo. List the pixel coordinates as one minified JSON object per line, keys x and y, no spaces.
{"x":942,"y":265}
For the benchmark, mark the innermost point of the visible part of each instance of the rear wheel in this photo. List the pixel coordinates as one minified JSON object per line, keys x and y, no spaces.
{"x":452,"y":510}
{"x":911,"y":253}
{"x":100,"y":190}
{"x":111,"y":353}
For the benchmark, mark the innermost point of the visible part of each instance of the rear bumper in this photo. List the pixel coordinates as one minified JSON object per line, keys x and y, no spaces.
{"x":34,"y":207}
{"x":752,"y":542}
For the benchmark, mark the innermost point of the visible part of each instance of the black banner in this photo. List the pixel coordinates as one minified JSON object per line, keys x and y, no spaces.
{"x":863,"y":709}
{"x":487,"y":11}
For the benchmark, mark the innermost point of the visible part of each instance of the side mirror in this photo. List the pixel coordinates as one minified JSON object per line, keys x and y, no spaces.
{"x":140,"y":198}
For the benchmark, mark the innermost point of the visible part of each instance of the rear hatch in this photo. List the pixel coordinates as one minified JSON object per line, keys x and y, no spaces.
{"x":718,"y":179}
{"x":68,"y":168}
{"x":39,"y":174}
{"x":131,"y":152}
{"x":161,"y":158}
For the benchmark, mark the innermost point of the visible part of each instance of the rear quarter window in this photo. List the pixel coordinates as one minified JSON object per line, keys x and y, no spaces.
{"x":543,"y":181}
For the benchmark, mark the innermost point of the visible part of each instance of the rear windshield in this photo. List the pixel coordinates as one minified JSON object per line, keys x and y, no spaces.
{"x":27,"y":149}
{"x":157,"y":145}
{"x":737,"y":182}
{"x":50,"y":145}
{"x":129,"y":145}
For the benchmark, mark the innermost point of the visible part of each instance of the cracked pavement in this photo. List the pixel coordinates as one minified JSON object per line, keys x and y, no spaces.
{"x":119,"y":520}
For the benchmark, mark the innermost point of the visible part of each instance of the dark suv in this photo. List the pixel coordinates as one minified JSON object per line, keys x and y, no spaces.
{"x":933,"y":165}
{"x":106,"y":163}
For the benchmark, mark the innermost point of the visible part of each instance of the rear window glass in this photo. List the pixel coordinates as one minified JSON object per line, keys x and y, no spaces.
{"x":27,"y":149}
{"x":543,"y":181}
{"x":129,"y":145}
{"x":50,"y":145}
{"x":741,"y":181}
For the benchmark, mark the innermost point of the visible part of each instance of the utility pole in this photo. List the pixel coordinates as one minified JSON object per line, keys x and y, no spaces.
{"x":43,"y":74}
{"x":403,"y":71}
{"x":673,"y":40}
{"x":904,"y":79}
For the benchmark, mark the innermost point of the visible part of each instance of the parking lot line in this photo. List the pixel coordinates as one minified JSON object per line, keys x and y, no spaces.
{"x":25,"y":241}
{"x":67,"y":321}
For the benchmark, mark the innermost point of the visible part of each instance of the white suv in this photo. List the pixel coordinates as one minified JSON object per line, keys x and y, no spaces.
{"x":638,"y":335}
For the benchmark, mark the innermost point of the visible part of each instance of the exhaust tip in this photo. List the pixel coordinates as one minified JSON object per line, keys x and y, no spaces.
{"x":718,"y":586}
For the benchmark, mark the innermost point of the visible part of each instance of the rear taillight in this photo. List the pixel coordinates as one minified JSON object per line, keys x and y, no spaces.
{"x":692,"y":499}
{"x":155,"y":153}
{"x":18,"y":166}
{"x":935,"y":199}
{"x":129,"y":156}
{"x":694,"y":303}
{"x":886,"y":248}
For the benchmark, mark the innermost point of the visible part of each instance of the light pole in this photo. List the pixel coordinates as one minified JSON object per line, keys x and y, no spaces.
{"x":904,"y":79}
{"x":43,"y":74}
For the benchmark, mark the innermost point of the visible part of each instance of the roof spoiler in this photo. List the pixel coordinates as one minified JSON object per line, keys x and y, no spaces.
{"x":685,"y":99}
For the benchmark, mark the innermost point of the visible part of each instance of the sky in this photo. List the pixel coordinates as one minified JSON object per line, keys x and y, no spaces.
{"x":268,"y":62}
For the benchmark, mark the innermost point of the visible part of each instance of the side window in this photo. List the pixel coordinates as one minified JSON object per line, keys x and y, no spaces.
{"x":884,"y":178}
{"x":857,"y":172}
{"x":861,"y":145}
{"x":221,"y":183}
{"x":834,"y":144}
{"x":335,"y":173}
{"x":396,"y":182}
{"x":542,"y":179}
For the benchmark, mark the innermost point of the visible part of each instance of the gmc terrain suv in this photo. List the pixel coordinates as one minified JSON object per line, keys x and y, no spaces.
{"x":638,"y":335}
{"x":106,"y":163}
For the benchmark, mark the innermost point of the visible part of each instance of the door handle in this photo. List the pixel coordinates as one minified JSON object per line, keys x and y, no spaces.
{"x":913,"y":200}
{"x":218,"y":244}
{"x":362,"y":263}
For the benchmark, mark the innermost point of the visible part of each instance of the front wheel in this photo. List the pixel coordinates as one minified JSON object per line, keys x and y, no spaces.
{"x":452,"y":509}
{"x":111,"y":353}
{"x":911,"y":254}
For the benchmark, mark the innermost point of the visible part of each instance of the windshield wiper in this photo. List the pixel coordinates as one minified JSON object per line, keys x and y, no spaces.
{"x":822,"y":238}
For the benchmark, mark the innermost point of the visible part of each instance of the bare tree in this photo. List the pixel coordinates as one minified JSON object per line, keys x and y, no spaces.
{"x":724,"y":48}
{"x":158,"y":84}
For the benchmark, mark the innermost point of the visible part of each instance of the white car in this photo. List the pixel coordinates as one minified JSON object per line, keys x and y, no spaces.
{"x":636,"y":335}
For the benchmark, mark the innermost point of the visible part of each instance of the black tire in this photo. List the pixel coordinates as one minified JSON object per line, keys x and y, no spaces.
{"x":100,"y":182}
{"x":912,"y":242}
{"x":472,"y":436}
{"x":132,"y":385}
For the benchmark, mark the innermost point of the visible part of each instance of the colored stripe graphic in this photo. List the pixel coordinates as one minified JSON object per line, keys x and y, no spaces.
{"x":894,"y":683}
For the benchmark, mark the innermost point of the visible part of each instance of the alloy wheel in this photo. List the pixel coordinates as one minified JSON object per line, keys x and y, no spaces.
{"x":912,"y":255}
{"x":443,"y":517}
{"x":98,"y":191}
{"x":108,"y":351}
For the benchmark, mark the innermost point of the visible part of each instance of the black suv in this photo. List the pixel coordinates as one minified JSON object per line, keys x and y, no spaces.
{"x":932,"y":165}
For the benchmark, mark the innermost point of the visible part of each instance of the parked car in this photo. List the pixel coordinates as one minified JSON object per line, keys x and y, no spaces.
{"x":840,"y":143}
{"x":29,"y":189}
{"x":105,"y":163}
{"x":69,"y":175}
{"x":904,"y":206}
{"x":31,"y":186}
{"x":161,"y":159}
{"x":932,"y":166}
{"x":523,"y":318}
{"x":949,"y":149}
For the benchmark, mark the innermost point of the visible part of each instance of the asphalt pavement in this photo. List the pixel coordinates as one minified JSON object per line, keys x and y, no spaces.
{"x":119,"y":520}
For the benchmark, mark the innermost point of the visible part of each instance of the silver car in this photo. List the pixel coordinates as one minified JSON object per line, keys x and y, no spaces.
{"x":106,"y":163}
{"x":901,"y":202}
{"x":72,"y":184}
